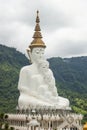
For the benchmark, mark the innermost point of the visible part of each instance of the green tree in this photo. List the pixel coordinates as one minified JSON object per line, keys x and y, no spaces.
{"x":3,"y":120}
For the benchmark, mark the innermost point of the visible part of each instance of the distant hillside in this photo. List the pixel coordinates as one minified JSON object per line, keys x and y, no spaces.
{"x":71,"y":72}
{"x":70,"y":75}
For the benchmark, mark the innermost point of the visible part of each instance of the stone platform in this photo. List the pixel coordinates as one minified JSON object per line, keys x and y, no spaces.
{"x":45,"y":119}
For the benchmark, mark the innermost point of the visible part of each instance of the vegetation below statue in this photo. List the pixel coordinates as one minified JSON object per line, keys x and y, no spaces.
{"x":70,"y":74}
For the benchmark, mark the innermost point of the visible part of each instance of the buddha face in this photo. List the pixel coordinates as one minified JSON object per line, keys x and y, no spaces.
{"x":37,"y":54}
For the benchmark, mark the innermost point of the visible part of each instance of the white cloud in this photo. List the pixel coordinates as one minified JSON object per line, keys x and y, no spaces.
{"x":63,"y":24}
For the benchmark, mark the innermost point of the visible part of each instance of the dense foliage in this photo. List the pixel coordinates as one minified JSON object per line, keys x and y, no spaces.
{"x":70,"y":74}
{"x":3,"y":122}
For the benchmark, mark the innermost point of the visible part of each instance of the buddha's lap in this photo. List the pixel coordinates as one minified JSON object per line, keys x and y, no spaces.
{"x":31,"y":100}
{"x":26,"y":100}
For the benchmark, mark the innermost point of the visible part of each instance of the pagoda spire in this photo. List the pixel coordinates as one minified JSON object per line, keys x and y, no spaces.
{"x":37,"y":33}
{"x":37,"y":42}
{"x":37,"y":18}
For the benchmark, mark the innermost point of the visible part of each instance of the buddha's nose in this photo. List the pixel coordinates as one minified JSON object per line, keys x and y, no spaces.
{"x":41,"y":56}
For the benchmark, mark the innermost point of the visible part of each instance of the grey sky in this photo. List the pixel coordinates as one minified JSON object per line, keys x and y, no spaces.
{"x":63,"y":25}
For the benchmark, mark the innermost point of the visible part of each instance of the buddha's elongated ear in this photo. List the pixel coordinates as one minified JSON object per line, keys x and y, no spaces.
{"x":29,"y":54}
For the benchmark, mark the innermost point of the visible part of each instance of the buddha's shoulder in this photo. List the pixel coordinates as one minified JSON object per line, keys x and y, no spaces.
{"x":27,"y":68}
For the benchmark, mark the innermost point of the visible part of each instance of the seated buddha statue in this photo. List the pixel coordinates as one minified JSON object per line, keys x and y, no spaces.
{"x":36,"y":81}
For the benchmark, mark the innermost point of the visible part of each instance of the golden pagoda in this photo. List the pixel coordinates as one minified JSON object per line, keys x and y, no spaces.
{"x":37,"y":42}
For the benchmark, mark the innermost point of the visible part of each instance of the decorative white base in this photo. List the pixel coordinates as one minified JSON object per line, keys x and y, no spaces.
{"x":45,"y":120}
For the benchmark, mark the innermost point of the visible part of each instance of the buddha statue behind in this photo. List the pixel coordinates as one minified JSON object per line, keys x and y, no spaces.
{"x":36,"y":81}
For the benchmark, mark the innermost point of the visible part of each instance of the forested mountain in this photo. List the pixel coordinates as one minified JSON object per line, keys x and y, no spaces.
{"x":70,"y":75}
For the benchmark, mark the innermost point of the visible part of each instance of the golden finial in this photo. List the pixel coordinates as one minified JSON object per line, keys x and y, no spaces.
{"x":37,"y":27}
{"x":37,"y":18}
{"x":37,"y":12}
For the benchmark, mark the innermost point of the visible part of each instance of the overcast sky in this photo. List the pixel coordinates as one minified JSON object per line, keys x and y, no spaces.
{"x":63,"y":25}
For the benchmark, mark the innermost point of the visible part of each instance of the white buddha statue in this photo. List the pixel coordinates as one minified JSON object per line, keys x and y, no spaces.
{"x":36,"y":81}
